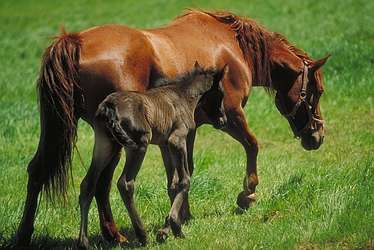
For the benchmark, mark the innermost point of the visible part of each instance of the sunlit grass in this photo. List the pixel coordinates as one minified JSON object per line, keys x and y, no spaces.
{"x":306,"y":200}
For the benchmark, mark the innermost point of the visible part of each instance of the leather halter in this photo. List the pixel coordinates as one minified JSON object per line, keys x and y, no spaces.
{"x":302,"y":99}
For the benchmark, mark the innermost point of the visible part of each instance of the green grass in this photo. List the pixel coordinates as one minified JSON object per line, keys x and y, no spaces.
{"x":306,"y":200}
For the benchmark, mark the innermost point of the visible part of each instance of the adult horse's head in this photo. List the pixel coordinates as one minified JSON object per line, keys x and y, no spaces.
{"x":298,"y":83}
{"x":212,"y":101}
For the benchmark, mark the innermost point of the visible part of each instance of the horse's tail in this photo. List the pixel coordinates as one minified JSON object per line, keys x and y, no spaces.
{"x":108,"y":113}
{"x":57,"y":80}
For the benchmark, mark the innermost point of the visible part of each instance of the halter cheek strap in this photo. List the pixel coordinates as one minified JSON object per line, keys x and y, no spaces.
{"x":300,"y":100}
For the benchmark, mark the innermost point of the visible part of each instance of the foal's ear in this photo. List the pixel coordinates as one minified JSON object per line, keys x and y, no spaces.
{"x":218,"y":77}
{"x":220,"y":74}
{"x":197,"y":65}
{"x":314,"y":66}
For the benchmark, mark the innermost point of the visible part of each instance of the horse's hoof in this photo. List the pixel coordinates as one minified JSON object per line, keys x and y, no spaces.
{"x":122,"y":240}
{"x":246,"y":202}
{"x":161,"y":236}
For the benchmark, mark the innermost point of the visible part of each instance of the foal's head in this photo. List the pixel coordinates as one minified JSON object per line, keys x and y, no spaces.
{"x":211,"y":102}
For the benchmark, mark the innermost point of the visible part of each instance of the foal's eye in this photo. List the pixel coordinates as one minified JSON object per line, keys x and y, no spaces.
{"x":320,"y":92}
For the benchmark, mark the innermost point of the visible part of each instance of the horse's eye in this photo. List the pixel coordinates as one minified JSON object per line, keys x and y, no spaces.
{"x":320,"y":92}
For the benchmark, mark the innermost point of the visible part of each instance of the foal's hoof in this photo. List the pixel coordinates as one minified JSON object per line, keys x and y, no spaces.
{"x":186,"y":216}
{"x":20,"y":247}
{"x":161,"y":236}
{"x":246,"y":202}
{"x":144,"y":241}
{"x":83,"y":244}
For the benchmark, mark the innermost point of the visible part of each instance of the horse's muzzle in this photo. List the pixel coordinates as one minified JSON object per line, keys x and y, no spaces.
{"x":313,"y":140}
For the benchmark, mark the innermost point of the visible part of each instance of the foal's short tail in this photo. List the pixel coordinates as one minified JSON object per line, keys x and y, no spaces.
{"x":57,"y":81}
{"x":109,"y":114}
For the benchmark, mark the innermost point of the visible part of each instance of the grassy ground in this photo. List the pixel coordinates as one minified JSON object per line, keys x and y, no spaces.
{"x":306,"y":200}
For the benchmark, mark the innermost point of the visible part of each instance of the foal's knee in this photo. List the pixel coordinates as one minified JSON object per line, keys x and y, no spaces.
{"x":185,"y":184}
{"x":126,"y":188}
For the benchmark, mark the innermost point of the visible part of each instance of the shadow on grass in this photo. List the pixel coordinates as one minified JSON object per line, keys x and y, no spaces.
{"x":48,"y":242}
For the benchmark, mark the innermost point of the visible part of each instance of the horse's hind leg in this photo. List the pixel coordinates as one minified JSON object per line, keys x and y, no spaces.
{"x":126,"y":186}
{"x":34,"y":186}
{"x":108,"y":227}
{"x":104,"y":150}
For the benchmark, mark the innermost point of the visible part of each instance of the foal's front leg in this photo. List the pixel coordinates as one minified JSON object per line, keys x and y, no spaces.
{"x":173,"y":221}
{"x":172,"y":175}
{"x":126,"y":186}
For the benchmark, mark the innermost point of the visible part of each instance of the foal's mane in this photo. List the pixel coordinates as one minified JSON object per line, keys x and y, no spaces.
{"x":184,"y":77}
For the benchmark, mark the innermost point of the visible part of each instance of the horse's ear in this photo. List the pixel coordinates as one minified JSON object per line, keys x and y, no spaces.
{"x":314,"y":66}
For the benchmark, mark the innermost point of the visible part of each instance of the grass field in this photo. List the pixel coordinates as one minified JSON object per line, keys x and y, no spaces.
{"x":306,"y":200}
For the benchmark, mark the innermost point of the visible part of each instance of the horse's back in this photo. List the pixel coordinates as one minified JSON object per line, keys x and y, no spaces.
{"x":190,"y":38}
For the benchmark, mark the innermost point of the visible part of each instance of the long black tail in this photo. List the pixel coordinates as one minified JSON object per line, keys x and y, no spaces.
{"x":57,"y":81}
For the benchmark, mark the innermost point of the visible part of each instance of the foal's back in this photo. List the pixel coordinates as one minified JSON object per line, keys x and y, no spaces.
{"x":147,"y":117}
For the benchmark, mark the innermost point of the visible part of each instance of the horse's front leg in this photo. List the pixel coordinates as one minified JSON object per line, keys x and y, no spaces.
{"x":237,"y":127}
{"x":108,"y":227}
{"x":173,"y":221}
{"x":126,"y":186}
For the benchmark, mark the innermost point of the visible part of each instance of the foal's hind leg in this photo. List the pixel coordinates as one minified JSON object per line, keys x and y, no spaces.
{"x":126,"y":186}
{"x":108,"y":227}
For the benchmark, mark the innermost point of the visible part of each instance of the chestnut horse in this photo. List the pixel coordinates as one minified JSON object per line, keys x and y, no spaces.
{"x":80,"y":69}
{"x":162,"y":116}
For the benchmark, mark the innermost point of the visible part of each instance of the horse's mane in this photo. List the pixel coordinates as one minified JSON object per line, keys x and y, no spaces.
{"x":298,"y":52}
{"x":256,"y":43}
{"x":254,"y":40}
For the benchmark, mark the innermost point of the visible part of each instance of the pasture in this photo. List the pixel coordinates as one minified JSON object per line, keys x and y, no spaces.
{"x":320,"y":199}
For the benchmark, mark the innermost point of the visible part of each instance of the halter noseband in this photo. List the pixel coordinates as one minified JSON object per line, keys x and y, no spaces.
{"x":302,"y":99}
